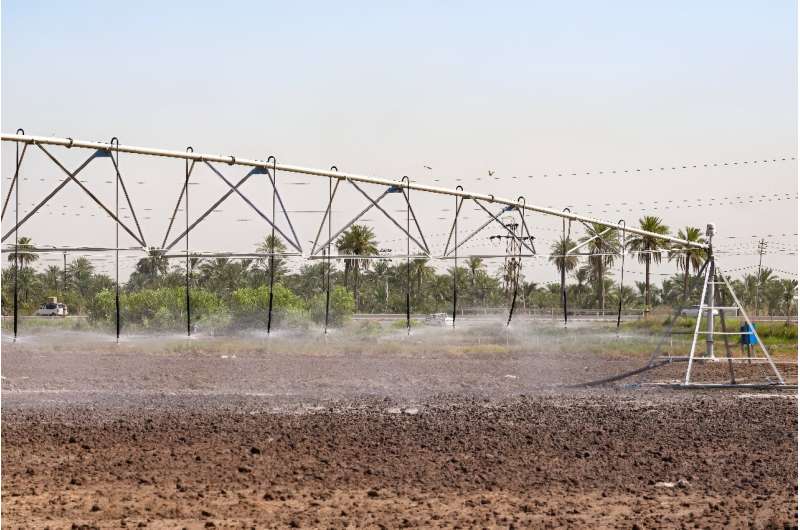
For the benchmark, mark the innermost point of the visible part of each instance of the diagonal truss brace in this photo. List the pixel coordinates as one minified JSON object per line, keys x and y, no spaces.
{"x":374,"y":203}
{"x":595,"y":236}
{"x":14,"y":180}
{"x":234,"y":188}
{"x":177,"y":204}
{"x":128,"y":200}
{"x":71,"y":177}
{"x":296,"y":243}
{"x":708,"y":306}
{"x":493,"y":217}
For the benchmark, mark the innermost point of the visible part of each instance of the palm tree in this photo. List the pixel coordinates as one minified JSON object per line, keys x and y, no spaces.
{"x":358,"y":240}
{"x":763,"y":277}
{"x":474,"y":264}
{"x":25,"y":252}
{"x":475,"y":267}
{"x":273,"y":245}
{"x":52,"y":276}
{"x":154,"y":265}
{"x":687,"y":256}
{"x":81,"y":272}
{"x":563,"y":262}
{"x":603,"y":245}
{"x":27,"y":281}
{"x":648,"y":249}
{"x":582,"y":277}
{"x":382,"y":272}
{"x":421,"y":272}
{"x":224,"y":275}
{"x":789,"y":296}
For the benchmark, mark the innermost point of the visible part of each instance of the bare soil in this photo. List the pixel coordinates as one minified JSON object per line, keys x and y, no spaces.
{"x":105,"y":436}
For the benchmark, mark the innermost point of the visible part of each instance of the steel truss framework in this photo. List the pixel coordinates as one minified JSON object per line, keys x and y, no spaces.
{"x":270,"y":168}
{"x":712,"y":303}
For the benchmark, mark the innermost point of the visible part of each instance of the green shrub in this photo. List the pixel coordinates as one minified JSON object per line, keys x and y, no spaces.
{"x":342,"y":306}
{"x":250,"y":306}
{"x":153,"y":309}
{"x":367,"y":328}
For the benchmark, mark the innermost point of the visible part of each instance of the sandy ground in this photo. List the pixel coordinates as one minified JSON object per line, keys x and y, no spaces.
{"x":230,"y":436}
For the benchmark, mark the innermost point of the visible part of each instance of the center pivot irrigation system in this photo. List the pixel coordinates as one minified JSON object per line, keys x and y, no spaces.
{"x":518,"y":234}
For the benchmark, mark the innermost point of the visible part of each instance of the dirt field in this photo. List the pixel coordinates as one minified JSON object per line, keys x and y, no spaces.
{"x":226,"y":435}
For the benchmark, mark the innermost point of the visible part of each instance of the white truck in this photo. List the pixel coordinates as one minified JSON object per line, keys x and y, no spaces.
{"x":53,"y":308}
{"x":438,"y":319}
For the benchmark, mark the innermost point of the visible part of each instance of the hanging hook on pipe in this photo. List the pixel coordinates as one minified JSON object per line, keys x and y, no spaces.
{"x":621,"y":222}
{"x":455,"y":255}
{"x":327,"y":277}
{"x":407,"y":181}
{"x":16,"y":241}
{"x":564,"y":239}
{"x":272,"y":244}
{"x":115,"y":150}
{"x":188,"y":267}
{"x":518,"y":266}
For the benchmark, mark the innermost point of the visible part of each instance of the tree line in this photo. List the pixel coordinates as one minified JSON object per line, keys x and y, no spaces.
{"x":236,"y":289}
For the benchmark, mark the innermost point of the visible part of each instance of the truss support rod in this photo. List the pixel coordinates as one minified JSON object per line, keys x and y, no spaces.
{"x":177,"y":206}
{"x":416,"y":222}
{"x":469,"y":237}
{"x":71,"y":177}
{"x":329,"y":217}
{"x":207,"y":213}
{"x":517,"y":268}
{"x":115,"y":141}
{"x":91,"y":195}
{"x":750,"y":323}
{"x":529,"y":237}
{"x":697,"y":325}
{"x":392,"y":219}
{"x":459,"y":200}
{"x":128,"y":200}
{"x":363,"y":257}
{"x":174,"y":213}
{"x":325,"y":217}
{"x":188,"y":173}
{"x":728,"y":354}
{"x":353,"y":220}
{"x":14,"y":180}
{"x":272,"y":178}
{"x":583,"y":244}
{"x":675,"y":315}
{"x":450,"y":234}
{"x":710,"y":311}
{"x":214,"y":206}
{"x":36,"y":208}
{"x":16,"y":241}
{"x":253,"y":206}
{"x":271,"y":246}
{"x":407,"y":182}
{"x":566,"y":233}
{"x":67,"y":142}
{"x":507,"y":229}
{"x":621,"y":273}
{"x":39,"y":250}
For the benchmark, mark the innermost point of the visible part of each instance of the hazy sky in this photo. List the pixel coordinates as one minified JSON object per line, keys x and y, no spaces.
{"x":522,"y":89}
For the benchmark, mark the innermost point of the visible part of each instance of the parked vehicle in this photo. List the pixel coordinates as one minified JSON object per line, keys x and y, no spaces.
{"x":53,"y":308}
{"x":439,"y":319}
